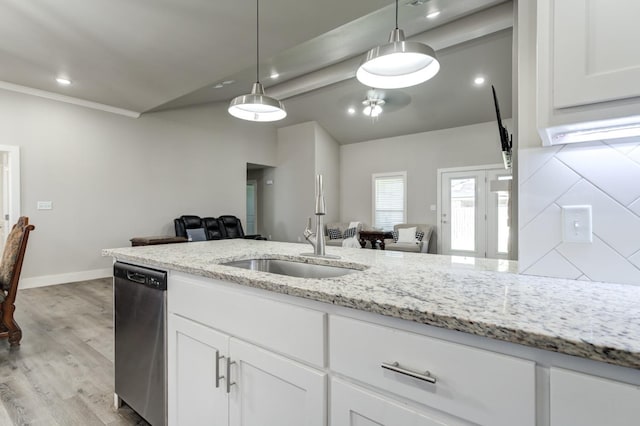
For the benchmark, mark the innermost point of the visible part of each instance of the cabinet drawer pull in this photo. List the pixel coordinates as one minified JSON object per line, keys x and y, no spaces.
{"x":218,"y":376}
{"x":395,"y":367}
{"x":229,"y":382}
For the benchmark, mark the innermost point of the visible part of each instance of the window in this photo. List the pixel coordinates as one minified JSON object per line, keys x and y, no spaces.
{"x":389,"y":199}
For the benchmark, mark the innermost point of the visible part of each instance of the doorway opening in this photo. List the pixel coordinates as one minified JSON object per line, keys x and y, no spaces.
{"x":9,"y":189}
{"x":259,"y":200}
{"x":473,"y":207}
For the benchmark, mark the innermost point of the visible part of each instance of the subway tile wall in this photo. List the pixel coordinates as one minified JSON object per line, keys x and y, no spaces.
{"x":605,"y":175}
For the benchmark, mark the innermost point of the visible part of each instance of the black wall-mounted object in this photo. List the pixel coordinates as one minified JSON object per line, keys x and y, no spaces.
{"x":506,"y":140}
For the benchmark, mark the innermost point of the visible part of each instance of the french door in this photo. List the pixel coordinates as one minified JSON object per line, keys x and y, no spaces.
{"x":474,"y":212}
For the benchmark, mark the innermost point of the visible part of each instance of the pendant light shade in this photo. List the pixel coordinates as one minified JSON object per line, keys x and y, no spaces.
{"x":399,"y":63}
{"x":256,"y":106}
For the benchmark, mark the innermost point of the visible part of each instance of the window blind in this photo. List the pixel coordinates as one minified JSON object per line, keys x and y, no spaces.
{"x":389,"y":202}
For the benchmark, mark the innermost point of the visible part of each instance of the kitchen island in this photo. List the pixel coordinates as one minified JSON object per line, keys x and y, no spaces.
{"x":525,"y":340}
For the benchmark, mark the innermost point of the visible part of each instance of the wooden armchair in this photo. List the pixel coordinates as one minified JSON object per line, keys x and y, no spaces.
{"x":10,"y":269}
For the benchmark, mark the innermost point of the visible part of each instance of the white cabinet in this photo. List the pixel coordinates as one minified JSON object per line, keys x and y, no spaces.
{"x":195,"y":398}
{"x":468,"y":383}
{"x":215,"y":379}
{"x":273,"y":390}
{"x":588,"y":61}
{"x":582,"y":400}
{"x":354,"y":406}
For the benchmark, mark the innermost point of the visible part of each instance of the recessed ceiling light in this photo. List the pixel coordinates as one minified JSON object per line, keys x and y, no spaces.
{"x":218,"y":86}
{"x":274,"y":75}
{"x":433,"y":15}
{"x":351,"y":110}
{"x":63,"y":81}
{"x":478,"y":81}
{"x":228,"y":82}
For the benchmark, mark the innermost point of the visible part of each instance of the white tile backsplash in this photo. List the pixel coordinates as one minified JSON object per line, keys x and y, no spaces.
{"x":541,"y":235}
{"x":553,"y":263}
{"x":605,"y":167}
{"x":635,"y":154}
{"x":543,"y":187}
{"x":530,"y":164}
{"x":600,"y":262}
{"x":603,"y":175}
{"x":611,"y":220}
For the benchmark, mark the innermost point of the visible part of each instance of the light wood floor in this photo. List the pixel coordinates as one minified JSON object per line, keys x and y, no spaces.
{"x":62,"y":374}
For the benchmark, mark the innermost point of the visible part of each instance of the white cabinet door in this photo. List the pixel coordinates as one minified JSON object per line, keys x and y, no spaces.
{"x":595,"y":56}
{"x":192,"y":359}
{"x":352,"y":406}
{"x":271,"y":390}
{"x":581,"y":400}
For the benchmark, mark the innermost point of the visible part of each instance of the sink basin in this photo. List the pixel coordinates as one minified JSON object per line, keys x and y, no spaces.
{"x":291,"y":268}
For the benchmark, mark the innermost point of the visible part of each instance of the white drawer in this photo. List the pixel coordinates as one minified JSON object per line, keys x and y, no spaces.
{"x":578,"y":399}
{"x":476,"y":385}
{"x":291,"y":330}
{"x":352,"y":406}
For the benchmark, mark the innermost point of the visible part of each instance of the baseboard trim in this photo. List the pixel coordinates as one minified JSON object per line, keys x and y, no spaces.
{"x":70,"y":277}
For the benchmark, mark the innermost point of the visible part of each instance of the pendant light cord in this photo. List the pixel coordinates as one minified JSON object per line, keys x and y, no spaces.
{"x":396,"y":14}
{"x":258,"y":41}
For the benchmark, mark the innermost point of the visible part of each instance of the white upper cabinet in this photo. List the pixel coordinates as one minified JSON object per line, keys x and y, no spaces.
{"x":596,"y":55}
{"x":588,"y":62}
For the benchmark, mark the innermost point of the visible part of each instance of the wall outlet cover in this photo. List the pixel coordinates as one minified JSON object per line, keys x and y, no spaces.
{"x":44,"y":205}
{"x":577,"y":224}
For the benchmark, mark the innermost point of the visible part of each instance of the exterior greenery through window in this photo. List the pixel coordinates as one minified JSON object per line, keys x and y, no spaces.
{"x":389,"y":199}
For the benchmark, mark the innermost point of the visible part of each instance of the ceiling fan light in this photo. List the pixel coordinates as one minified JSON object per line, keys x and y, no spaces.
{"x":256,"y":106}
{"x":373,"y":107}
{"x":398,"y":64}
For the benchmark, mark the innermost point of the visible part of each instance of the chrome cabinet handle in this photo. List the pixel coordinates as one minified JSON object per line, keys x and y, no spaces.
{"x":218,"y":376}
{"x":396,"y":368}
{"x":229,"y":382}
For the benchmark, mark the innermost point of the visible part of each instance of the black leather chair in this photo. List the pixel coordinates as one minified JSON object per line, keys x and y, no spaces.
{"x":225,"y":226}
{"x":185,"y":222}
{"x":233,"y":226}
{"x":213,"y":229}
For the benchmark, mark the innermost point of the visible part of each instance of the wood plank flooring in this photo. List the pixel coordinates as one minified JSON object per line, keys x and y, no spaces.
{"x":62,"y":374}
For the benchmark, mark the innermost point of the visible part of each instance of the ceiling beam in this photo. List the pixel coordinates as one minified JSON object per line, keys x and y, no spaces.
{"x":462,"y":30}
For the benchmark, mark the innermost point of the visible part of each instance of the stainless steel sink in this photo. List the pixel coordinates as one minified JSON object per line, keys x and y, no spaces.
{"x":291,"y":268}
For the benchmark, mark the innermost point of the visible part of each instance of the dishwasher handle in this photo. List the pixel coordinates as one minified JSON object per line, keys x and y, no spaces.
{"x":136,"y":277}
{"x":148,"y":277}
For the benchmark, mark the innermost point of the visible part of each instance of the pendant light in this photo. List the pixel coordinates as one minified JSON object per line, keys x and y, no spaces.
{"x":256,"y":106}
{"x":398,"y":63}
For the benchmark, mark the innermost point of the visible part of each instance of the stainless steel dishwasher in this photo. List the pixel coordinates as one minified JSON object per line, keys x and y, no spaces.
{"x":140,"y":307}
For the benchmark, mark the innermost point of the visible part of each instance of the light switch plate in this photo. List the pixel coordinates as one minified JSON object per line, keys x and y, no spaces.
{"x":44,"y":205}
{"x":577,"y":224}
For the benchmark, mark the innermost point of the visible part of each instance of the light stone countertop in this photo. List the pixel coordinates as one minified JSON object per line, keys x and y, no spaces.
{"x":485,"y":297}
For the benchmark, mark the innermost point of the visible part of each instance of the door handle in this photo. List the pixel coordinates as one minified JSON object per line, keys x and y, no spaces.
{"x":396,"y":368}
{"x":229,"y":382}
{"x":218,"y":376}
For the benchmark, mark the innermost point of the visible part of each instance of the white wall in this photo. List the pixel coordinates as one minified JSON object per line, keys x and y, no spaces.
{"x":303,"y":151}
{"x":420,"y":155}
{"x":328,"y":165}
{"x":293,"y":182}
{"x":111,"y":178}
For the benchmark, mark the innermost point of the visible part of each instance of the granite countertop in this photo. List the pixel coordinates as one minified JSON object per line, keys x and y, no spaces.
{"x":485,"y":297}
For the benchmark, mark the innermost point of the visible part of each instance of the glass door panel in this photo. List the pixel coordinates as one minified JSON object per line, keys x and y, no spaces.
{"x":463,"y":213}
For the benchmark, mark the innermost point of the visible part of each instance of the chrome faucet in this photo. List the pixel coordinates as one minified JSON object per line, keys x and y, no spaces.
{"x":317,"y":239}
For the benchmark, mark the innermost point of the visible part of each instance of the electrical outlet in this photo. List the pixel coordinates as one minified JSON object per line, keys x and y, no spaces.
{"x":44,"y":205}
{"x":577,"y":224}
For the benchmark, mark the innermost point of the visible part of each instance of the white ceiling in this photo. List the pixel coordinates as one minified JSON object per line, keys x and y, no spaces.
{"x":146,"y":55}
